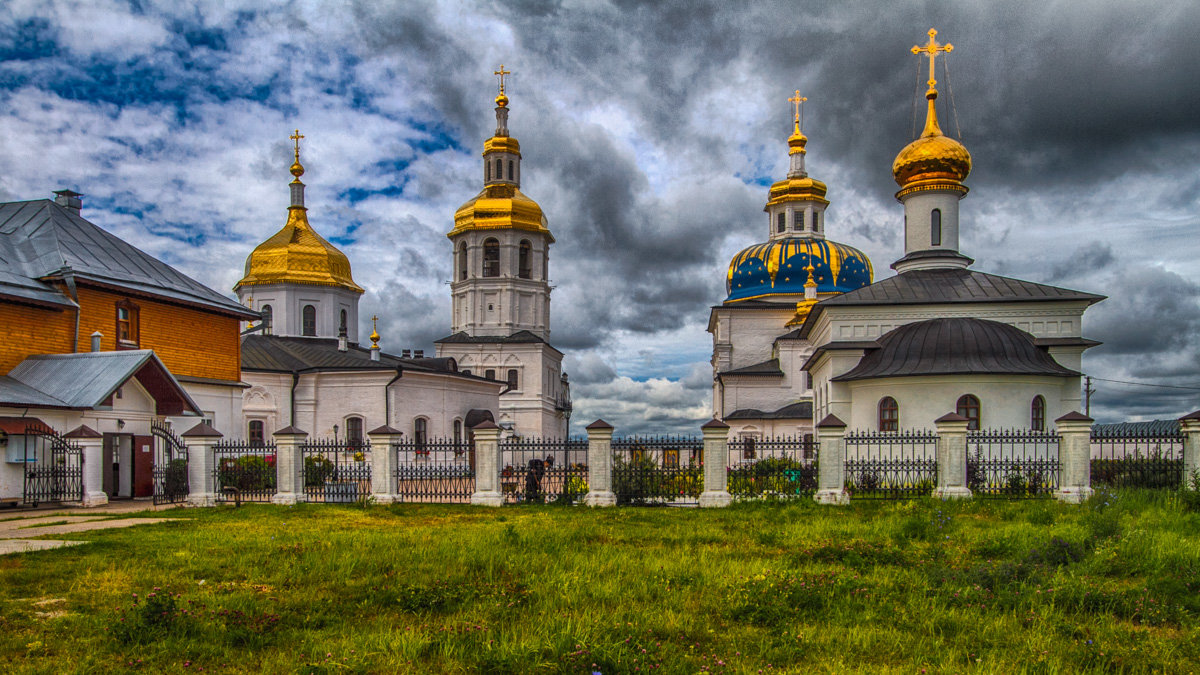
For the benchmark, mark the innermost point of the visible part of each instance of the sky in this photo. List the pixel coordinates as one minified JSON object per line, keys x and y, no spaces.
{"x":649,"y":134}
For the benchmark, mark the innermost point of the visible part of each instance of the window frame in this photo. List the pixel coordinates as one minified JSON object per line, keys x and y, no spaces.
{"x":513,"y":378}
{"x":132,"y":323}
{"x":261,"y":439}
{"x":421,"y":434}
{"x":525,"y":259}
{"x":305,"y":311}
{"x":935,"y":227}
{"x":491,"y":258}
{"x":1037,"y":413}
{"x":965,"y":405}
{"x":463,"y":269}
{"x":267,"y":314}
{"x":888,"y":417}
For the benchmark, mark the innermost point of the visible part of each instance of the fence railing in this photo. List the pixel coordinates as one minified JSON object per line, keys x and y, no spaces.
{"x":244,"y":470}
{"x":659,"y":470}
{"x":336,"y":471}
{"x":891,"y":465}
{"x":1013,"y":464}
{"x":783,"y":467}
{"x":435,"y":471}
{"x":544,"y":470}
{"x":1135,"y":459}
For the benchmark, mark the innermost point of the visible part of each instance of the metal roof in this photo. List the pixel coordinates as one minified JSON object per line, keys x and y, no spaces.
{"x":766,"y":368}
{"x":955,"y":346}
{"x":1136,"y":429}
{"x":41,"y":239}
{"x":272,"y":353}
{"x":802,"y":410}
{"x":86,"y":380}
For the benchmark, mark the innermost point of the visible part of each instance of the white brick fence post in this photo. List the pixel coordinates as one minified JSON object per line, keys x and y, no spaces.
{"x":384,"y":440}
{"x":289,"y":466}
{"x":600,"y":492}
{"x":487,"y":465}
{"x":1190,"y":425}
{"x":952,"y":457}
{"x":201,"y":460}
{"x":92,"y":444}
{"x":1075,"y":454}
{"x":831,"y":462}
{"x":716,"y":459}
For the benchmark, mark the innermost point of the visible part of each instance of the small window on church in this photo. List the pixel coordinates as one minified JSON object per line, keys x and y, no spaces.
{"x":490,"y":374}
{"x":889,"y":414}
{"x":749,"y":451}
{"x":267,"y":315}
{"x":256,"y":433}
{"x":458,"y":436}
{"x":512,"y":378}
{"x":354,"y":432}
{"x":342,"y":323}
{"x":462,"y":260}
{"x":420,"y":433}
{"x":968,"y":407}
{"x":935,"y":227}
{"x":466,"y":371}
{"x":127,"y":324}
{"x":1037,"y":414}
{"x":499,"y":170}
{"x":491,"y":258}
{"x":488,"y":167}
{"x":309,"y":321}
{"x":510,"y":169}
{"x":525,"y":264}
{"x":780,"y":222}
{"x":816,"y":221}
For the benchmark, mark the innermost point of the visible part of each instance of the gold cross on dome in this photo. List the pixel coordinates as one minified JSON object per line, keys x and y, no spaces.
{"x":797,"y":102}
{"x":296,"y":137}
{"x":502,"y":72}
{"x":932,"y":48}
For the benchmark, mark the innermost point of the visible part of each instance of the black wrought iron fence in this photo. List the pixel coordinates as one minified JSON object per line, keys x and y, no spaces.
{"x":53,"y":467}
{"x":783,"y":467}
{"x":335,"y":471}
{"x":435,"y":470}
{"x":1013,"y":464}
{"x":662,"y":470}
{"x":1133,"y":458}
{"x":891,"y":465}
{"x":170,"y":465}
{"x":544,"y":470}
{"x":244,"y":470}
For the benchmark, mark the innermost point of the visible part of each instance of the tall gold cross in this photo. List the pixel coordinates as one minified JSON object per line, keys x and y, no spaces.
{"x":296,"y":137}
{"x":932,"y":48}
{"x":502,"y":72}
{"x":797,"y":102}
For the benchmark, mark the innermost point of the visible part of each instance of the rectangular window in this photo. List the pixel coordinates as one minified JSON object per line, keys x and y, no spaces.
{"x":127,"y":325}
{"x":512,"y":378}
{"x":489,"y":374}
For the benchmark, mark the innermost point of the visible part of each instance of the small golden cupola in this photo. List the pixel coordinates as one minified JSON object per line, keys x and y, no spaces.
{"x":297,"y":254}
{"x":934,"y":161}
{"x":501,"y":205}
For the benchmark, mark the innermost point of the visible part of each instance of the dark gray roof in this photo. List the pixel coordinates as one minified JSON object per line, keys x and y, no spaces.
{"x":1136,"y":429}
{"x":765,"y":369}
{"x":791,"y":335}
{"x":755,"y":304}
{"x":517,"y":337}
{"x":802,"y":410}
{"x":86,"y":380}
{"x":955,"y":346}
{"x":272,"y":353}
{"x":40,"y":239}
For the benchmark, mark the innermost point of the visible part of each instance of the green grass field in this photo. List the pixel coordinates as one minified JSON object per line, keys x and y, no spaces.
{"x":921,"y":586}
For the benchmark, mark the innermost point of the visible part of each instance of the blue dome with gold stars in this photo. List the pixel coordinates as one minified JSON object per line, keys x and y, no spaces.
{"x":779,"y":267}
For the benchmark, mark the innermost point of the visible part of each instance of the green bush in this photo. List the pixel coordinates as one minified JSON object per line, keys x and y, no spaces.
{"x":1189,"y":495}
{"x":773,"y":477}
{"x":640,"y":480}
{"x":247,"y":473}
{"x":317,"y":470}
{"x":175,"y":481}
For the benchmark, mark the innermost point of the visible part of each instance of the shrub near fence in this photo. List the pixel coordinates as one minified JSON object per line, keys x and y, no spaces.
{"x":657,"y":471}
{"x":891,"y":465}
{"x":248,"y":469}
{"x":1012,"y":464}
{"x":336,"y":470}
{"x":1132,"y":458}
{"x":772,"y":468}
{"x":544,"y":470}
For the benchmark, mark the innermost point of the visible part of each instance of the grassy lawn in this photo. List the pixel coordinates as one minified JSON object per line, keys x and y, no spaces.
{"x":921,"y":586}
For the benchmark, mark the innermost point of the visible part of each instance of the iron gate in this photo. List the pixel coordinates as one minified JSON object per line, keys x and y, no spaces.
{"x":53,"y":468}
{"x":336,"y":471}
{"x":170,"y":469}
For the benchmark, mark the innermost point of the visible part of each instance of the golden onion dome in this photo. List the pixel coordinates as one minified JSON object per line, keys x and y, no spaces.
{"x":500,"y":207}
{"x":797,"y":141}
{"x":501,"y":100}
{"x":793,"y":189}
{"x":933,"y":161}
{"x":298,"y":255}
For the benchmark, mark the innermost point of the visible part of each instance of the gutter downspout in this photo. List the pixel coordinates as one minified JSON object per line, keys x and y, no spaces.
{"x":69,"y":280}
{"x":387,"y":401}
{"x":295,"y":383}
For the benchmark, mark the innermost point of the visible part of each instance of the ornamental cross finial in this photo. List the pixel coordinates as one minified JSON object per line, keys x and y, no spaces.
{"x":932,"y":48}
{"x":797,"y":102}
{"x":296,"y":137}
{"x":502,"y":72}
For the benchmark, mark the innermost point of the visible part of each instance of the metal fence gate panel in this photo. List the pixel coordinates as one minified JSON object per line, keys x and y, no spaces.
{"x":891,"y":465}
{"x":336,"y":471}
{"x":170,"y":467}
{"x":244,"y":470}
{"x":1013,"y":464}
{"x":1137,"y":459}
{"x":53,"y":468}
{"x":544,"y":470}
{"x":438,"y":471}
{"x":783,"y":467}
{"x":658,"y":471}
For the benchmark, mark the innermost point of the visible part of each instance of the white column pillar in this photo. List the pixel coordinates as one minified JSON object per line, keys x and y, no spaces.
{"x":289,"y":466}
{"x":92,"y":443}
{"x":1075,"y":454}
{"x":716,"y":460}
{"x":201,"y":462}
{"x":383,"y":463}
{"x":952,"y":457}
{"x":600,"y":492}
{"x":1190,"y":426}
{"x":831,"y":462}
{"x":487,"y":465}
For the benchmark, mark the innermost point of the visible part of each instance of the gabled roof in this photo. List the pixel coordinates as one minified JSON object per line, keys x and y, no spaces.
{"x":271,"y":353}
{"x":40,"y":239}
{"x":765,"y":369}
{"x":86,"y":381}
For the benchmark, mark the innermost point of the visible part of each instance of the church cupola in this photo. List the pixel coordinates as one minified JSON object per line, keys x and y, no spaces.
{"x":930,"y":171}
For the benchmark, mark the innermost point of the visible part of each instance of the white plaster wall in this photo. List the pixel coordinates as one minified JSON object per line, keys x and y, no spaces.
{"x":288,"y":300}
{"x":222,"y":402}
{"x":918,"y":208}
{"x":440,"y":400}
{"x":530,"y":407}
{"x":516,"y":303}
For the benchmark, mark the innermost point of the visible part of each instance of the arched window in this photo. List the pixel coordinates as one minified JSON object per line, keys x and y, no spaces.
{"x":499,"y":170}
{"x":420,"y":433}
{"x":462,"y":260}
{"x":256,"y":433}
{"x":889,"y":414}
{"x":488,"y":167}
{"x":491,"y":258}
{"x":309,"y":317}
{"x":342,"y":328}
{"x":457,"y":436}
{"x":354,"y":432}
{"x":968,"y":407}
{"x":267,"y":315}
{"x":935,"y":227}
{"x":749,"y":450}
{"x":1037,"y":414}
{"x":510,"y":169}
{"x":512,"y":378}
{"x":525,"y":262}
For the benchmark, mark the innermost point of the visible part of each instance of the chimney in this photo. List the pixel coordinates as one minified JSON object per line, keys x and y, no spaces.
{"x":69,"y":200}
{"x":374,"y":352}
{"x":418,"y":353}
{"x":96,"y":340}
{"x":406,"y":353}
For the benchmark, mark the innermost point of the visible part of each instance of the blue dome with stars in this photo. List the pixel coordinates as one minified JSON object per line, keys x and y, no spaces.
{"x":779,"y":267}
